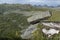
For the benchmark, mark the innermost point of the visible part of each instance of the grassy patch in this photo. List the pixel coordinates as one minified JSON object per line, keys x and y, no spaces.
{"x":55,"y":16}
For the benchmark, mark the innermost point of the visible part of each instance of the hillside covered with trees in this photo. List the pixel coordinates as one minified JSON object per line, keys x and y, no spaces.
{"x":12,"y":21}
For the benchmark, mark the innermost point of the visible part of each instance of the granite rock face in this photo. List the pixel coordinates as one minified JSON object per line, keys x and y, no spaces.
{"x":38,"y":15}
{"x":51,"y":24}
{"x":50,"y":32}
{"x":28,"y":32}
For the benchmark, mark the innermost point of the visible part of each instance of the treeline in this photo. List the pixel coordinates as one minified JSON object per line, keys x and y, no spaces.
{"x":22,"y":7}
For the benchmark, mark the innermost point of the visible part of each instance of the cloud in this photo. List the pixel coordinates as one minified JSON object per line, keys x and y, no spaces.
{"x":41,"y":0}
{"x":35,"y":0}
{"x":48,"y":2}
{"x":7,"y":1}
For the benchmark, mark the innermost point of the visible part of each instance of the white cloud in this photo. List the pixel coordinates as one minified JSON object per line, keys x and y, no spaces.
{"x":8,"y":1}
{"x":35,"y":0}
{"x":48,"y":2}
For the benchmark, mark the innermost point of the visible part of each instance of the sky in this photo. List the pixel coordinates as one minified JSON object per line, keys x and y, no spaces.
{"x":33,"y":2}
